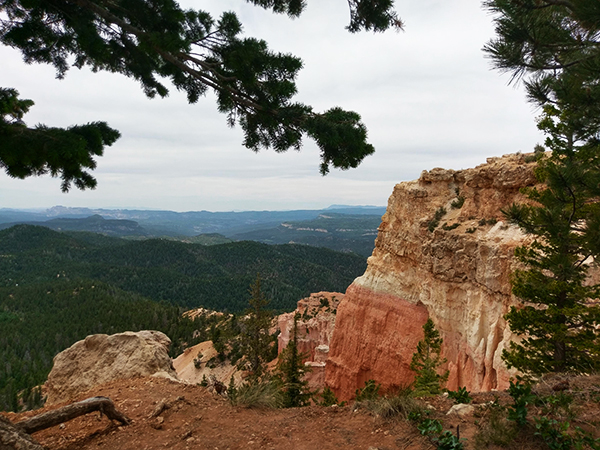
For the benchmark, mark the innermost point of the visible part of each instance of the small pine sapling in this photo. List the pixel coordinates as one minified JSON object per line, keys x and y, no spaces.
{"x":426,"y":361}
{"x":290,"y":372}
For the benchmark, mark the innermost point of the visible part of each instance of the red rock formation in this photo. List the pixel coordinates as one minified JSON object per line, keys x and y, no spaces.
{"x":458,"y":274}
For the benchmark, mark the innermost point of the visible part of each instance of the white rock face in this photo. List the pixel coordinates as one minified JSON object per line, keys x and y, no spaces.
{"x":456,"y":271}
{"x":101,"y":358}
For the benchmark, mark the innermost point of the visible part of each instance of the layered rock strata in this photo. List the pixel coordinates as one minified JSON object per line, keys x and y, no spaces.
{"x":443,"y":251}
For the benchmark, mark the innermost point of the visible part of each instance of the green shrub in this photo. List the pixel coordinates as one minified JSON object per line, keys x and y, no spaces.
{"x":471,"y":230}
{"x":448,"y":441}
{"x":445,"y":440}
{"x":557,"y":436}
{"x":433,"y":223}
{"x":430,"y":426}
{"x":458,"y":203}
{"x":369,"y":392}
{"x":522,"y":396}
{"x":460,"y":396}
{"x":450,"y":227}
{"x":328,"y":398}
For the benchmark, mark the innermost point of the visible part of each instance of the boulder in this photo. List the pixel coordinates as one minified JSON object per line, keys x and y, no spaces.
{"x":461,"y":410}
{"x":101,"y":358}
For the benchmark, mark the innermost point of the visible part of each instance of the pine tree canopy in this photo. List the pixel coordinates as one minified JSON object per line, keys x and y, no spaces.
{"x":554,"y":47}
{"x":160,"y":45}
{"x":36,"y":151}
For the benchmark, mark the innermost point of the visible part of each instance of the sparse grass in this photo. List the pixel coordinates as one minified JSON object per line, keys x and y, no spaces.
{"x":260,"y":394}
{"x":400,"y":405}
{"x":494,"y":427}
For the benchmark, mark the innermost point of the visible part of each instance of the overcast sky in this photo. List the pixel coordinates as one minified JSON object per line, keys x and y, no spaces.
{"x":428,"y":96}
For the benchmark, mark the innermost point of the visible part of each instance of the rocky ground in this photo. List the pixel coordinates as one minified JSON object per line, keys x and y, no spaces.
{"x":200,"y":419}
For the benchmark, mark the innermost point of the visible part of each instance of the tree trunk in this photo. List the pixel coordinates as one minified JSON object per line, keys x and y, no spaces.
{"x":16,"y":436}
{"x":12,"y":438}
{"x":51,"y":418}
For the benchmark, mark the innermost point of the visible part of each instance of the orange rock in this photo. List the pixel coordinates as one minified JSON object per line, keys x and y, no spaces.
{"x":372,"y":336}
{"x":458,"y":274}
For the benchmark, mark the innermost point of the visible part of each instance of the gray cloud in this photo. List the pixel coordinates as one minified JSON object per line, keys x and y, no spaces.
{"x":427,"y":95}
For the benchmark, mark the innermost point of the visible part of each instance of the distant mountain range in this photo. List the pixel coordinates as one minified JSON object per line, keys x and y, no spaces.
{"x":339,"y":227}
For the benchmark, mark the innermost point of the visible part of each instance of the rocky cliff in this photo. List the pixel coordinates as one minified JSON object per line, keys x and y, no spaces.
{"x":315,"y":329}
{"x":443,"y":251}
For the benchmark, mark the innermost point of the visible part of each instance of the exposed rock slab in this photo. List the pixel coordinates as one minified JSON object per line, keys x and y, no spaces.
{"x":458,"y":274}
{"x":101,"y":358}
{"x":187,"y":371}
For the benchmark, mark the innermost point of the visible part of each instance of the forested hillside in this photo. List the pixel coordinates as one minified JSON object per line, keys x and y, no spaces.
{"x":189,"y":275}
{"x":56,"y":288}
{"x":40,"y":320}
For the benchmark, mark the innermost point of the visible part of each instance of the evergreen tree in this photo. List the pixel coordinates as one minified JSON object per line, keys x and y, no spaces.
{"x":426,"y":361}
{"x":559,"y":327}
{"x":254,"y":340}
{"x":291,"y":371}
{"x":555,"y":47}
{"x":60,"y":152}
{"x":154,"y":40}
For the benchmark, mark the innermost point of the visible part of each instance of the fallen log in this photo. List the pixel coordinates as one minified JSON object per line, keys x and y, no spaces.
{"x":55,"y":417}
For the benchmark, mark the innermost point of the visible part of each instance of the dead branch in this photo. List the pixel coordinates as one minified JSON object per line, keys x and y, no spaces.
{"x":164,"y":405}
{"x":51,"y":418}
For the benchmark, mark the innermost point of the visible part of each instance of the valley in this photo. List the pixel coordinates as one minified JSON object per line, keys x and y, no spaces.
{"x":59,"y":287}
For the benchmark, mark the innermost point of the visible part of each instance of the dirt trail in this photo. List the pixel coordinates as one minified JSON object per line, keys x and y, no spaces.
{"x":199,"y":419}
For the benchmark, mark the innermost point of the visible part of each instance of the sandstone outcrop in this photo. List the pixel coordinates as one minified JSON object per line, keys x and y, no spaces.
{"x":455,"y":270}
{"x":192,"y":366}
{"x":101,"y":358}
{"x":315,"y":329}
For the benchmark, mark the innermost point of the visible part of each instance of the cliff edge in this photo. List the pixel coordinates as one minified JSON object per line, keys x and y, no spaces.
{"x":443,"y":251}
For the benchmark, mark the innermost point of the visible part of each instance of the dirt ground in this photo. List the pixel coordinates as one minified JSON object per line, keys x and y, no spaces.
{"x":199,"y":419}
